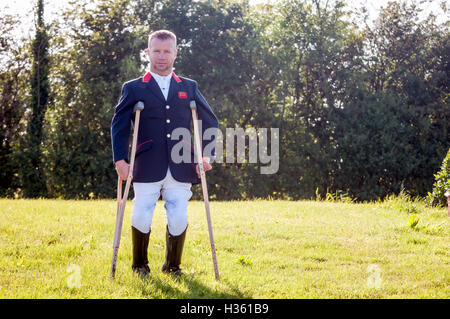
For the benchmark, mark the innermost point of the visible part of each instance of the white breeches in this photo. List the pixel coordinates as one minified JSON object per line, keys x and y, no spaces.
{"x":175,"y":194}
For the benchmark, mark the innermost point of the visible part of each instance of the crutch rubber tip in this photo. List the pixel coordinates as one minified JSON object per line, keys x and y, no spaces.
{"x":138,"y":106}
{"x":193,"y":105}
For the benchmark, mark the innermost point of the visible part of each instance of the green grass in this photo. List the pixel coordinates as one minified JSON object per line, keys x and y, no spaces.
{"x":265,"y":249}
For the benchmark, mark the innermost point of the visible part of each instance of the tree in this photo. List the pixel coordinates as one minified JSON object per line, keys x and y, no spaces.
{"x":359,"y":110}
{"x":406,"y":62}
{"x":319,"y":51}
{"x":13,"y":93}
{"x":98,"y":50}
{"x":32,"y":176}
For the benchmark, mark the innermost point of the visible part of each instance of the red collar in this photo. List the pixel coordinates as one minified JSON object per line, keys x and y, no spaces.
{"x":176,"y":77}
{"x":146,"y":78}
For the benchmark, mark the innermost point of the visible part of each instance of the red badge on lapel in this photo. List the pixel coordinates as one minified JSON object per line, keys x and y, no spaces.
{"x":182,"y":95}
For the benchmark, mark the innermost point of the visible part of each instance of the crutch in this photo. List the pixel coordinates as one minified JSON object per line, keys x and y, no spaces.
{"x":121,"y":201}
{"x":204,"y":186}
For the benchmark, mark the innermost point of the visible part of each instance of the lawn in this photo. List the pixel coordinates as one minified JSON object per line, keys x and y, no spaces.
{"x":265,"y":249}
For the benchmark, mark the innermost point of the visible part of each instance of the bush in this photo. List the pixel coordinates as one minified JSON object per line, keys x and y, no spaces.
{"x":441,"y":184}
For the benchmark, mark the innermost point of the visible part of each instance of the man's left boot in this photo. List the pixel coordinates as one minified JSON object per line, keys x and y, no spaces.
{"x":174,"y":251}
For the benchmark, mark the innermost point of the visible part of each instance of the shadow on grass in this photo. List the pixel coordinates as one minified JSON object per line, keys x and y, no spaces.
{"x":195,"y":289}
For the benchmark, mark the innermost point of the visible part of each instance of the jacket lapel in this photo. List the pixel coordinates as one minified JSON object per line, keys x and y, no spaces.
{"x":175,"y":85}
{"x":172,"y":89}
{"x":151,"y":84}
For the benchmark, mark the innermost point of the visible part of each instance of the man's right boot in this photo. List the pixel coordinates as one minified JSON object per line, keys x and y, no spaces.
{"x":174,"y":251}
{"x":140,"y":246}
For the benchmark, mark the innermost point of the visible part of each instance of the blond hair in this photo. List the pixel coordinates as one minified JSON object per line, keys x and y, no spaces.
{"x":162,"y":35}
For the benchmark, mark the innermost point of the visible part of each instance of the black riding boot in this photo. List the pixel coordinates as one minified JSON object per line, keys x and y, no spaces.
{"x":174,"y":250}
{"x":140,"y":246}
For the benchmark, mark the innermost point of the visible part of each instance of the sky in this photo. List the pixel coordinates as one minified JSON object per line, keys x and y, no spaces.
{"x":24,"y":8}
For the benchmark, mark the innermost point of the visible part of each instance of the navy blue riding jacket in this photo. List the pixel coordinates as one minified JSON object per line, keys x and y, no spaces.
{"x":157,"y":122}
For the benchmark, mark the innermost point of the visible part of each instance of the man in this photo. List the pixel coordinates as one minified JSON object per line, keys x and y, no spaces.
{"x":166,"y":100}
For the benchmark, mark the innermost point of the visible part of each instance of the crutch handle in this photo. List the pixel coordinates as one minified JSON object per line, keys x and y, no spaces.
{"x":138,"y":106}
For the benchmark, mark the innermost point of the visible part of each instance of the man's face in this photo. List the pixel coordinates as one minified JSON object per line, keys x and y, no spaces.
{"x":162,"y":54}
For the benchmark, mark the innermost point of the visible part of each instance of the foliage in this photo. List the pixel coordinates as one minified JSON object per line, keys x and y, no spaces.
{"x":105,"y":52}
{"x":441,"y":184}
{"x":13,"y":98}
{"x":244,"y":261}
{"x":409,"y":66}
{"x":413,"y":220}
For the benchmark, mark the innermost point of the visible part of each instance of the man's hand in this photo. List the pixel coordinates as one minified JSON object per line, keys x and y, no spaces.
{"x":123,"y":169}
{"x":206,"y":166}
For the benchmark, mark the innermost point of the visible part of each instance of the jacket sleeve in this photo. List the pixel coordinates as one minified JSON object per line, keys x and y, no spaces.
{"x":121,"y":124}
{"x":209,"y":120}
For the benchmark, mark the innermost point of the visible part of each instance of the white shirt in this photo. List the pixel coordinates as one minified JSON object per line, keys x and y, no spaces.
{"x":163,"y":82}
